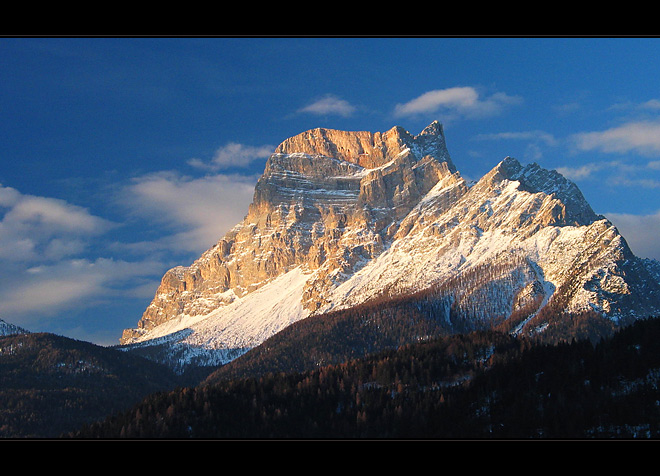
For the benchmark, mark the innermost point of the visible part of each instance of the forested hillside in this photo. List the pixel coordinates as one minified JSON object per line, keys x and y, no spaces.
{"x":480,"y":385}
{"x":51,"y":384}
{"x":390,"y":323}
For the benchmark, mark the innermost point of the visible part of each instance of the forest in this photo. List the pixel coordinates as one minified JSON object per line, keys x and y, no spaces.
{"x":410,"y":367}
{"x":390,"y":323}
{"x":480,"y":385}
{"x":51,"y":384}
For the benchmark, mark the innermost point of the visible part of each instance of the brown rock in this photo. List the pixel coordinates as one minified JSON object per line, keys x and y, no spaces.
{"x":326,"y":201}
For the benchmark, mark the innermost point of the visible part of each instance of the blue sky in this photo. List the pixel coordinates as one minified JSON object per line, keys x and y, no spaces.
{"x":123,"y":157}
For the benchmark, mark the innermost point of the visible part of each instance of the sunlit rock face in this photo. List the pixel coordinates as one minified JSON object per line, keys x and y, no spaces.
{"x":340,"y":218}
{"x":326,"y":201}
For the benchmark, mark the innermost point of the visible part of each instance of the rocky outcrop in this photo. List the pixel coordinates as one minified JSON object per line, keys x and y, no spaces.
{"x":342,"y":218}
{"x":7,"y":329}
{"x":327,"y":201}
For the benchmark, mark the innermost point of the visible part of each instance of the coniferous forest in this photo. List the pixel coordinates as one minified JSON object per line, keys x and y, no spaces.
{"x":51,"y":384}
{"x":482,"y":385}
{"x":397,"y":369}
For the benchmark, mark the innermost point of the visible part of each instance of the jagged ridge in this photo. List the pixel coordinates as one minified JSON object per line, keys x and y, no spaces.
{"x":7,"y":329}
{"x":340,"y":218}
{"x":310,"y":210}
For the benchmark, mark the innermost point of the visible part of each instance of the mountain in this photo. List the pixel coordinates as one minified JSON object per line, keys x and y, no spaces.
{"x":340,"y":219}
{"x":7,"y":329}
{"x":50,"y":385}
{"x":481,"y":385}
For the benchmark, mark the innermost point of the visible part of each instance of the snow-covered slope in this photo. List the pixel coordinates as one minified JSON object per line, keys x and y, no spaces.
{"x":340,"y":218}
{"x":231,"y":330}
{"x":505,"y":218}
{"x":7,"y":329}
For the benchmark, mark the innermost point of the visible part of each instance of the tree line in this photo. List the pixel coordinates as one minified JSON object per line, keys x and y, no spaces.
{"x":484,"y":384}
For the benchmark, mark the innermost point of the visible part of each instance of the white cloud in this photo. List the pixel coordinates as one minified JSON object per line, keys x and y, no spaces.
{"x":534,"y":141}
{"x":28,"y":294}
{"x":50,"y":250}
{"x":635,"y":182}
{"x":640,"y":136}
{"x":534,"y":136}
{"x":199,"y":210}
{"x":577,"y":173}
{"x":37,"y":228}
{"x":652,"y":104}
{"x":43,"y":243}
{"x":462,"y":100}
{"x":640,"y":231}
{"x":47,"y":295}
{"x":329,"y":104}
{"x":8,"y":196}
{"x":621,"y":174}
{"x":587,"y":170}
{"x":233,"y":155}
{"x":568,"y":108}
{"x":48,"y":213}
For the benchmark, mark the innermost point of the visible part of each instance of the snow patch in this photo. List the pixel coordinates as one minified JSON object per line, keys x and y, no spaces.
{"x":232,"y":329}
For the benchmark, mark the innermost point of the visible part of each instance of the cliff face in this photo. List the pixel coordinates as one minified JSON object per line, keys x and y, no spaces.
{"x":341,"y":218}
{"x":328,"y":200}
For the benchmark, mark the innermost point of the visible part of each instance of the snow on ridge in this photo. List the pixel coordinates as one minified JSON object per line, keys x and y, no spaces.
{"x":258,"y":315}
{"x":236,"y":327}
{"x":454,"y":228}
{"x":7,"y":329}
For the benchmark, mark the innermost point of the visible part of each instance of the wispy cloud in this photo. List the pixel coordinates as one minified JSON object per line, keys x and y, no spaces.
{"x":652,"y":104}
{"x":233,"y":155}
{"x":199,"y":211}
{"x":535,"y":141}
{"x":642,"y":137}
{"x":586,"y":170}
{"x":44,"y":248}
{"x":535,"y":136}
{"x":57,"y":256}
{"x":329,"y":105}
{"x":641,"y":232}
{"x":35,"y":228}
{"x":465,"y":101}
{"x":53,"y":287}
{"x":648,"y":183}
{"x":621,"y":173}
{"x":567,"y":108}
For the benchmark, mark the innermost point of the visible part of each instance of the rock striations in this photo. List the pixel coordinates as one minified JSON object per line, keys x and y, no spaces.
{"x":341,"y":218}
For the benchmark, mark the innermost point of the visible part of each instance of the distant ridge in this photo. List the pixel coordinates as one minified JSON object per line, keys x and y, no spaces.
{"x":7,"y":329}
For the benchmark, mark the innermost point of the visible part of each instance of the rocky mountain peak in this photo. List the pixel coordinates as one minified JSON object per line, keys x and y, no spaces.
{"x":433,"y":129}
{"x":328,"y":167}
{"x":363,"y":148}
{"x":340,"y":218}
{"x":510,"y":167}
{"x":327,"y":200}
{"x":534,"y":179}
{"x":367,"y":149}
{"x":431,"y":141}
